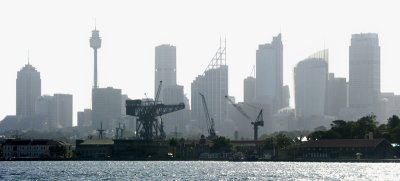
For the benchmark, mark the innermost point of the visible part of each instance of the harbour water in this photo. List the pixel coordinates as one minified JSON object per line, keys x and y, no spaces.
{"x":195,"y":170}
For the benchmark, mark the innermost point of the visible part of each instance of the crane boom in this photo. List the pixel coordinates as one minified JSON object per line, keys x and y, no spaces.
{"x":209,"y":120}
{"x":238,"y":108}
{"x":258,"y":122}
{"x":158,"y":93}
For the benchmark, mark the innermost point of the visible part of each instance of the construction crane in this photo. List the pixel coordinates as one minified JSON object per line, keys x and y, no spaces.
{"x":258,"y":122}
{"x":209,"y":120}
{"x":148,"y":111}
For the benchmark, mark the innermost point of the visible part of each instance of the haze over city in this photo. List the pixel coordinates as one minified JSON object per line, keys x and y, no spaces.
{"x":199,"y":90}
{"x":56,"y":36}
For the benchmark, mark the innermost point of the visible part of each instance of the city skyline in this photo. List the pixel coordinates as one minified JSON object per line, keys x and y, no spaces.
{"x":119,"y":58}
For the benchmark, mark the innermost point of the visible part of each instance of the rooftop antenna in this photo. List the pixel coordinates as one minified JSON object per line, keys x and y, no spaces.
{"x":101,"y":130}
{"x":28,"y":57}
{"x":95,"y":24}
{"x":253,"y":71}
{"x":225,"y":51}
{"x":220,"y":49}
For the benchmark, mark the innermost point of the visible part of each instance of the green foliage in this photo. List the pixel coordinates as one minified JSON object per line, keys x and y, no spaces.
{"x":393,"y":122}
{"x":282,"y":141}
{"x":341,"y":129}
{"x":173,"y":142}
{"x":221,"y":145}
{"x":393,"y":129}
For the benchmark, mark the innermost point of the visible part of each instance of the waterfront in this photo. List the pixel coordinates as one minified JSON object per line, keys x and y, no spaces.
{"x":195,"y":170}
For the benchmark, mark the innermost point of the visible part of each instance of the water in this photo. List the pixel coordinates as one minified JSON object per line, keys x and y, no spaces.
{"x":195,"y":170}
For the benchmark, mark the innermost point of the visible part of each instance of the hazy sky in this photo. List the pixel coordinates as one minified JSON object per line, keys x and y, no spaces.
{"x":57,"y":35}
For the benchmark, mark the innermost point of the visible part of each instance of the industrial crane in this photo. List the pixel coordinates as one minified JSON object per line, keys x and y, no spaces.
{"x":209,"y":120}
{"x":147,"y":111}
{"x":258,"y":122}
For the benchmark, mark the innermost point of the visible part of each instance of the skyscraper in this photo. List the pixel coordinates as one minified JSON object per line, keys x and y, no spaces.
{"x":269,"y":74}
{"x":364,"y":73}
{"x":213,"y":84}
{"x":336,"y":99}
{"x":63,"y":110}
{"x":106,"y":107}
{"x":249,"y":89}
{"x":28,"y":90}
{"x":85,"y":118}
{"x":310,"y":79}
{"x":165,"y":66}
{"x":171,"y":92}
{"x":55,"y":111}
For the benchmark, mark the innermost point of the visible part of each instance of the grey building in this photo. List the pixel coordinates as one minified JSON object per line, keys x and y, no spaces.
{"x":106,"y":107}
{"x":28,"y":90}
{"x":269,"y":74}
{"x":336,"y":95}
{"x":165,"y":66}
{"x":364,"y":74}
{"x":85,"y":118}
{"x":171,"y":92}
{"x":310,"y":80}
{"x":213,"y":84}
{"x":249,"y":89}
{"x":63,"y":110}
{"x":54,"y":111}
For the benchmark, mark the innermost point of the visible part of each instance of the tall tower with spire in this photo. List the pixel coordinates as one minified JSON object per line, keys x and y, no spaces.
{"x":27,"y":91}
{"x":95,"y":43}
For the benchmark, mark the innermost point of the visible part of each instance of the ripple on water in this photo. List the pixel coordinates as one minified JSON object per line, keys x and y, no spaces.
{"x":196,"y":170}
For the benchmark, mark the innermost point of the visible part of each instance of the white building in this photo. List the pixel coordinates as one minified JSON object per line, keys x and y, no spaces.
{"x":269,"y":74}
{"x":171,"y":92}
{"x":213,"y":84}
{"x":310,"y":79}
{"x":364,"y":74}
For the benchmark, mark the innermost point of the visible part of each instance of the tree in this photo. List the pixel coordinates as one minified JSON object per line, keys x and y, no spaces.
{"x":221,"y":145}
{"x":282,"y":141}
{"x":393,"y":122}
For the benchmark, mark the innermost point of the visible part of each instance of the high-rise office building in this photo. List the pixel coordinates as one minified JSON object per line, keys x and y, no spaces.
{"x":213,"y":84}
{"x":28,"y":90}
{"x":269,"y":74}
{"x":286,"y":96}
{"x":310,"y":79}
{"x":174,"y":121}
{"x":249,"y":89}
{"x":85,"y":118}
{"x":165,"y":66}
{"x":63,"y":110}
{"x":106,"y":107}
{"x":171,"y":92}
{"x":54,"y":111}
{"x":364,"y":74}
{"x":336,"y":95}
